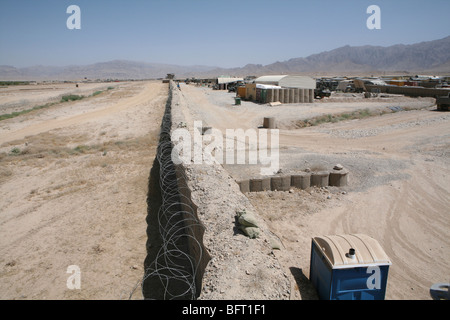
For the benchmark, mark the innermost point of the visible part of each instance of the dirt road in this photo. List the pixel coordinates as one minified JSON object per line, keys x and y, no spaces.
{"x":398,"y":194}
{"x":398,"y":191}
{"x":73,"y":185}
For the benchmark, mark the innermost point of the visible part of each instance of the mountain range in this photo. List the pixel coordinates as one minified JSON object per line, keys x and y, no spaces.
{"x":430,"y":56}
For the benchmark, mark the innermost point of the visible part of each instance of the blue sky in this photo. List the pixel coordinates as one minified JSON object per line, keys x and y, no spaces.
{"x":222,"y":33}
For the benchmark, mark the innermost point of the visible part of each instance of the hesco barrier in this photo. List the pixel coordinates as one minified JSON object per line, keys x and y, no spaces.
{"x":179,"y":264}
{"x":183,"y":268}
{"x":409,"y":91}
{"x":303,"y":180}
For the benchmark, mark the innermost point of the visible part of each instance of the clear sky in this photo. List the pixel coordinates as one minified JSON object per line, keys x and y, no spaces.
{"x":224,"y":33}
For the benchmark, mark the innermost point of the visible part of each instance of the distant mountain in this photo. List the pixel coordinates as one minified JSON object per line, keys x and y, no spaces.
{"x":117,"y":69}
{"x":425,"y":56}
{"x":430,"y":56}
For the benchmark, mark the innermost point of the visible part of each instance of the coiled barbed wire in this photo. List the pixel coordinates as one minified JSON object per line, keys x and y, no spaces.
{"x":175,"y":266}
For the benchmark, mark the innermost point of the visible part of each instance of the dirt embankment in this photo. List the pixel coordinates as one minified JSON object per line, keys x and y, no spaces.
{"x":240,"y":268}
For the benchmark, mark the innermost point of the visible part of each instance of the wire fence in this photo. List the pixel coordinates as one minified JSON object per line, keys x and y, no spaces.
{"x":176,"y":270}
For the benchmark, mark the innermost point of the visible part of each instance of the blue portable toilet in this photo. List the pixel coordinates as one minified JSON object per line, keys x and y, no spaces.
{"x":348,"y":267}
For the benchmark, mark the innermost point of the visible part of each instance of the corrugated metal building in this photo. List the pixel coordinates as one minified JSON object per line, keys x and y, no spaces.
{"x":285,"y":81}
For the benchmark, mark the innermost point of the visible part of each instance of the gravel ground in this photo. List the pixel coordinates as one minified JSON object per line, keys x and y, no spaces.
{"x":398,"y":183}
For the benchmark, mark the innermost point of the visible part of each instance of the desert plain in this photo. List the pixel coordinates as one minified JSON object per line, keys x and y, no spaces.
{"x":74,"y":184}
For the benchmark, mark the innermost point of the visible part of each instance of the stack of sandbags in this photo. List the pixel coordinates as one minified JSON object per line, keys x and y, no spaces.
{"x":248,"y":224}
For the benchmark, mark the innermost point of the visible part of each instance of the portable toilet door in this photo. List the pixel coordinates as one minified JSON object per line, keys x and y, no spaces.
{"x":349,"y":267}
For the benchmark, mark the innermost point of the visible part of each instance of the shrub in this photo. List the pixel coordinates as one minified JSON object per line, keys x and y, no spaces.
{"x":71,"y":97}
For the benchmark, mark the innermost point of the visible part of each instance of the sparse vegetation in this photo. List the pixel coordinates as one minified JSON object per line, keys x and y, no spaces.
{"x":71,"y":97}
{"x":14,"y":83}
{"x":15,"y":151}
{"x":19,"y":113}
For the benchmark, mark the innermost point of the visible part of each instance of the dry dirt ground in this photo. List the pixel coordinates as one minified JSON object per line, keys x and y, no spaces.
{"x":398,"y":190}
{"x":74,"y":179}
{"x":73,"y":189}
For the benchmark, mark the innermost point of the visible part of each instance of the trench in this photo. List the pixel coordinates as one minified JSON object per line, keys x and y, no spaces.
{"x":176,"y":257}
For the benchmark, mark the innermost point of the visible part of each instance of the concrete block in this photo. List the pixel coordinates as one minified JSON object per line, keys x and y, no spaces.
{"x":266,"y":184}
{"x":296,"y":95}
{"x":269,"y":97}
{"x":281,"y":95}
{"x":338,"y":178}
{"x":305,"y":95}
{"x":261,"y":184}
{"x":269,"y":123}
{"x":244,"y":185}
{"x":282,"y":183}
{"x":286,"y":95}
{"x":301,"y":180}
{"x":291,"y":95}
{"x":320,"y":179}
{"x":256,"y":185}
{"x":276,"y":95}
{"x":302,"y":96}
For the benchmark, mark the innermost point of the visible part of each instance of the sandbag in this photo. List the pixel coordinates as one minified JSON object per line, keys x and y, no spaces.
{"x":251,"y":232}
{"x":247,"y":219}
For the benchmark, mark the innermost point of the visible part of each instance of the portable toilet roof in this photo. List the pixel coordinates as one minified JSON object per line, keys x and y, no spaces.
{"x":336,"y":250}
{"x":286,"y":81}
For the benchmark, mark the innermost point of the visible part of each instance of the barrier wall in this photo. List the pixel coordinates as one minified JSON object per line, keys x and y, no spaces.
{"x":409,"y":91}
{"x":303,"y":180}
{"x":177,"y":269}
{"x":203,"y":253}
{"x":286,"y":96}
